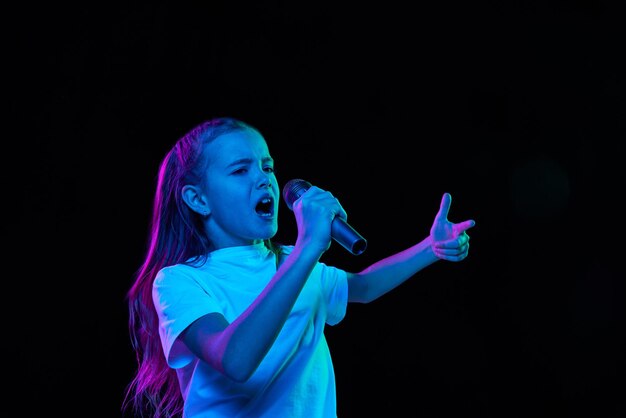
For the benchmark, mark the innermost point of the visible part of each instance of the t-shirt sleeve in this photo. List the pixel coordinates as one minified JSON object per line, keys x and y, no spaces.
{"x":179,"y":300}
{"x":334,"y":283}
{"x":335,"y":288}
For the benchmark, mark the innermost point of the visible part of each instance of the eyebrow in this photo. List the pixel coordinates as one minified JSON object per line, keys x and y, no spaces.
{"x":249,"y":160}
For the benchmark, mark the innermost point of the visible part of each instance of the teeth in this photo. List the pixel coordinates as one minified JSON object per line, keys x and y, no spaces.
{"x":264,"y":208}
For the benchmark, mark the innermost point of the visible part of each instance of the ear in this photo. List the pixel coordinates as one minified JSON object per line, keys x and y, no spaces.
{"x":193,"y":197}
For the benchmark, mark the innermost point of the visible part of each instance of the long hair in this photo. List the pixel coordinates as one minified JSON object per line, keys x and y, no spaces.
{"x":176,"y":236}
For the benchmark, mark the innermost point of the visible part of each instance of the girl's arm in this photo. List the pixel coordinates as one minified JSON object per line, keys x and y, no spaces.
{"x":447,"y":241}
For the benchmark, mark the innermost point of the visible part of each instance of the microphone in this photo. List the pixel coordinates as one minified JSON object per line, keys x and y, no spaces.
{"x":340,"y":231}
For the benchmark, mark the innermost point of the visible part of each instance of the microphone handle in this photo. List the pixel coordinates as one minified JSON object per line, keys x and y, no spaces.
{"x":347,"y":236}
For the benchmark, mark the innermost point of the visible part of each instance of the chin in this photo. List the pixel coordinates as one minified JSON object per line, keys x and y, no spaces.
{"x":270,"y":232}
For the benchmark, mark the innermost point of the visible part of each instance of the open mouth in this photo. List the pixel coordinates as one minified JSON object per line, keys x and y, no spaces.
{"x":265,"y":207}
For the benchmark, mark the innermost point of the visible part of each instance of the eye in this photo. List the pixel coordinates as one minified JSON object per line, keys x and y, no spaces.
{"x":240,"y":171}
{"x":268,"y":169}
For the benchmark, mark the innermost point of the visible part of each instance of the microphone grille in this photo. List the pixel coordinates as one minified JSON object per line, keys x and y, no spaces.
{"x":293,"y":190}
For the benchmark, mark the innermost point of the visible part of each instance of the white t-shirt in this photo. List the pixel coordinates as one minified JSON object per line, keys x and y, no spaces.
{"x":295,"y":379}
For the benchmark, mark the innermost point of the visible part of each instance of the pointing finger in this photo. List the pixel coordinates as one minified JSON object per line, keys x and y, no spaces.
{"x":464,"y":226}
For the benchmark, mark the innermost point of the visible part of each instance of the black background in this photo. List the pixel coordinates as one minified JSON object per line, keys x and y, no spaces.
{"x":516,"y":109}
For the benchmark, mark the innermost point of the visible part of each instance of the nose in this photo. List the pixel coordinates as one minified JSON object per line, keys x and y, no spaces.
{"x":264,"y":180}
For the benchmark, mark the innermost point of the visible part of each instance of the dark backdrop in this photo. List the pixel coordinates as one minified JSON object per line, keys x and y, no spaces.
{"x":515,"y":108}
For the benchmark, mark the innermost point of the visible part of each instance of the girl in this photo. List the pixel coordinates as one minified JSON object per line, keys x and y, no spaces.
{"x":227,"y":323}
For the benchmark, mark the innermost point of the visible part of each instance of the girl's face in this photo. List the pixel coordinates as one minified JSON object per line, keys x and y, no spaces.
{"x":241,"y":190}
